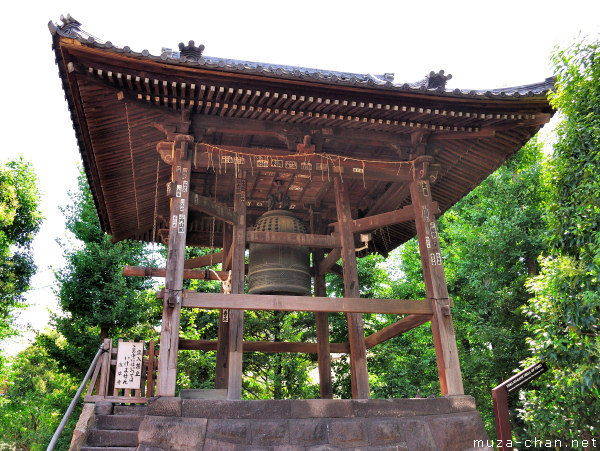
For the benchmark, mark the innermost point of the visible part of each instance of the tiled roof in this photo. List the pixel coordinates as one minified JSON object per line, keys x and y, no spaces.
{"x":431,"y":83}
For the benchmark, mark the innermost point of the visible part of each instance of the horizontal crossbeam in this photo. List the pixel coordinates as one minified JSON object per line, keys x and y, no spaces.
{"x":200,"y":274}
{"x":294,"y":239}
{"x":192,"y":299}
{"x":263,"y":346}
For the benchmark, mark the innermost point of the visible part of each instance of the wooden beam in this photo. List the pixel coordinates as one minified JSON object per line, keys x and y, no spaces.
{"x":315,"y":166}
{"x":482,"y":133}
{"x":193,"y":299}
{"x":356,"y":336}
{"x":196,"y":274}
{"x":204,"y":260}
{"x":169,"y":336}
{"x":210,"y":207}
{"x":238,"y":267}
{"x":330,"y":261}
{"x":294,"y":239}
{"x":437,"y":291}
{"x":222,"y":364}
{"x":265,"y":128}
{"x":404,"y":325}
{"x":385,"y":219}
{"x":263,"y":346}
{"x":322,"y":318}
{"x":390,"y":199}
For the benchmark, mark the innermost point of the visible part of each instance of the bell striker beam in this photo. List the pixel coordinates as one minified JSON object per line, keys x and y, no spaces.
{"x":238,"y":268}
{"x":172,"y":299}
{"x":356,"y":336}
{"x":435,"y":284}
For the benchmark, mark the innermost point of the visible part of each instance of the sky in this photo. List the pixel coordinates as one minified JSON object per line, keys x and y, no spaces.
{"x":483,"y":44}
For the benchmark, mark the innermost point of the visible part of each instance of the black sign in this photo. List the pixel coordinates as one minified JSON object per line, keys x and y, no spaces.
{"x":525,"y":376}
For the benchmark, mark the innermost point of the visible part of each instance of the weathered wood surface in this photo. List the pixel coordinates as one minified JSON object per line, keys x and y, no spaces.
{"x":101,"y":386}
{"x":321,"y":167}
{"x":384,"y":219}
{"x":193,"y":299}
{"x":212,"y":208}
{"x":222,"y":364}
{"x":356,"y":336}
{"x":199,"y":274}
{"x":330,"y":261}
{"x":294,"y":239}
{"x":264,"y":346}
{"x":236,"y":316}
{"x":322,"y":318}
{"x":169,"y":337}
{"x":437,"y":291}
{"x":204,"y":260}
{"x":393,"y":330}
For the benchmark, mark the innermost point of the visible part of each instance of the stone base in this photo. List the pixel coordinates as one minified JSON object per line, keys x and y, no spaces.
{"x":448,"y":424}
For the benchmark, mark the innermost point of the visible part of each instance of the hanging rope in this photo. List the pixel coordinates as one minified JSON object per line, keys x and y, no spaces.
{"x":137,"y":209}
{"x":330,"y":158}
{"x":155,"y":212}
{"x":225,"y":284}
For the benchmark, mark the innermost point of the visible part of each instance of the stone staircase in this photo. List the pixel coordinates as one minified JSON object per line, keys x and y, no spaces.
{"x":115,"y":430}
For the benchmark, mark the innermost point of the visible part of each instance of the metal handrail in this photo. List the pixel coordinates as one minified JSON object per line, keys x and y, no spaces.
{"x":69,"y":411}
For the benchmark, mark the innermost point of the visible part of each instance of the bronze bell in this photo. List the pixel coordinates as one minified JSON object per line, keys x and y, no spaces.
{"x":275,"y":268}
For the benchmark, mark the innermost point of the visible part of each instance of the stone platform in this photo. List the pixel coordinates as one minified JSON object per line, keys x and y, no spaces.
{"x":448,"y":424}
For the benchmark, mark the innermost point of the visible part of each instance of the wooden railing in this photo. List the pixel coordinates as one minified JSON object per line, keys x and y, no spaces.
{"x":102,"y":382}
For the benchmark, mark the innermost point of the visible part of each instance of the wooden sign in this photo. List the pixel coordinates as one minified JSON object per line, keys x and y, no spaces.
{"x":129,"y":365}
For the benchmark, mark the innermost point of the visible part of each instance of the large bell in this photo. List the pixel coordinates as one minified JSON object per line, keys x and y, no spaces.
{"x":275,"y":268}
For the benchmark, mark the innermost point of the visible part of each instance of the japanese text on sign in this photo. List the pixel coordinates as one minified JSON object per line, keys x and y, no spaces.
{"x":129,"y":365}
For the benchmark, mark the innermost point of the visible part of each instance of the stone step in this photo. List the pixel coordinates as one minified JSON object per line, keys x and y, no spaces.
{"x":118,"y":422}
{"x":129,"y":410}
{"x":112,"y":438}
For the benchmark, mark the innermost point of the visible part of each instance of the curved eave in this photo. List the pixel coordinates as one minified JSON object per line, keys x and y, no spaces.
{"x":328,"y":78}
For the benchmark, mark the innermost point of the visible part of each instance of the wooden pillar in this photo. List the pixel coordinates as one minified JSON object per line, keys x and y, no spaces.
{"x":238,"y":267}
{"x":222,"y":369}
{"x":322,"y":318}
{"x":169,"y":336}
{"x":356,"y":337}
{"x":437,"y":291}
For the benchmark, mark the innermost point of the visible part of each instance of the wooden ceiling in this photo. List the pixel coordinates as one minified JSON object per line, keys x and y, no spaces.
{"x":291,"y":134}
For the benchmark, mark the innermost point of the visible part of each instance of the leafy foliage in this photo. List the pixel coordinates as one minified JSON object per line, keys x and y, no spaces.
{"x":37,"y":393}
{"x":563,"y":316}
{"x":97,"y":300}
{"x":20,"y":219}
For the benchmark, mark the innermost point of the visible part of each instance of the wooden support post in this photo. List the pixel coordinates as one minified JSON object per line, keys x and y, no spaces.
{"x":222,"y":369}
{"x":502,"y":418}
{"x":322,"y":318}
{"x":356,"y":337}
{"x":238,"y":266}
{"x":435,"y":284}
{"x":169,"y":336}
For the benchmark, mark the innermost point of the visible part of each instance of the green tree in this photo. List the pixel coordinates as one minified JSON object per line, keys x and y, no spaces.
{"x":20,"y":219}
{"x":97,"y":301}
{"x":36,"y":394}
{"x":564,"y":315}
